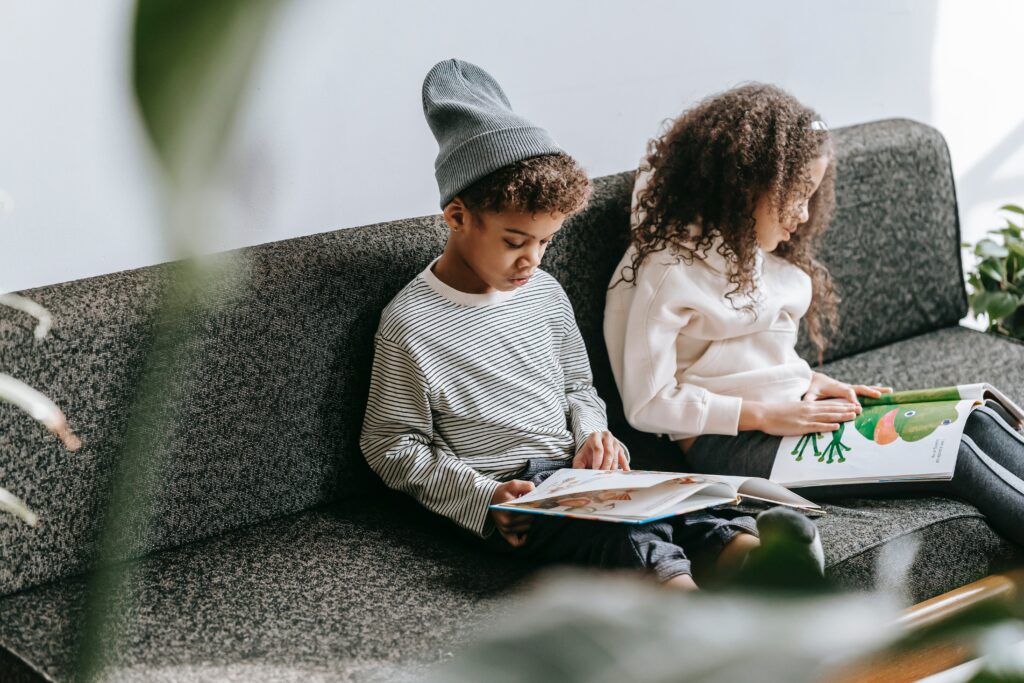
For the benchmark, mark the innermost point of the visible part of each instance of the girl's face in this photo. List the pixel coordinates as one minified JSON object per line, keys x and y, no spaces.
{"x":776,"y":224}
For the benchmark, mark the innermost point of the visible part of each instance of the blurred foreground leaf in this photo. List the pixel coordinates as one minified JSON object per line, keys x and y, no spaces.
{"x":192,"y":60}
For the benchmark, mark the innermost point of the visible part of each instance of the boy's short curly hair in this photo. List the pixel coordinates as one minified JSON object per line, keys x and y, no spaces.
{"x":551,"y":183}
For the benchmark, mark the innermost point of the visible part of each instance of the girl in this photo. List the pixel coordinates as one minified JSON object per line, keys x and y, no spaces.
{"x":703,"y":312}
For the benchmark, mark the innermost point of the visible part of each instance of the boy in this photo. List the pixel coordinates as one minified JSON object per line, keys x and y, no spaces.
{"x":481,"y":385}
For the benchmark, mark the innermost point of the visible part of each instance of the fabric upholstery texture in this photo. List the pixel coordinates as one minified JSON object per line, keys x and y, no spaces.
{"x":272,"y":544}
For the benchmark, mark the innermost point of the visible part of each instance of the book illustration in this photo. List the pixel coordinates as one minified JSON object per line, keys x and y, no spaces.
{"x":833,"y":449}
{"x":639,"y":496}
{"x":919,"y":396}
{"x":571,"y":481}
{"x":594,"y":501}
{"x":883,"y":424}
{"x":921,"y":427}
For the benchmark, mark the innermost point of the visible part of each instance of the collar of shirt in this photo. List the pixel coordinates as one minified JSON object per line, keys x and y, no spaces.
{"x":463,"y":298}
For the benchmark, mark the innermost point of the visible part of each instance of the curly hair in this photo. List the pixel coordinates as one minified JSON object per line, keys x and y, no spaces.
{"x":707,"y":173}
{"x":551,"y":183}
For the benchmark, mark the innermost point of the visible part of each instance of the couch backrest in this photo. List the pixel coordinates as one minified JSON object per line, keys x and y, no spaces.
{"x":266,"y":377}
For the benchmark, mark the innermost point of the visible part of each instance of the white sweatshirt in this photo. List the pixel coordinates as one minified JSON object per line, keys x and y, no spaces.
{"x":684,"y":358}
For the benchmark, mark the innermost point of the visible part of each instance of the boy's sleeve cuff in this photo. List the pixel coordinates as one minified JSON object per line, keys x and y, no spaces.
{"x":483,"y":524}
{"x":723,"y":414}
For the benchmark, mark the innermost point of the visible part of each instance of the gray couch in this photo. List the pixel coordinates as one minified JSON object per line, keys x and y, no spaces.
{"x":274,"y":554}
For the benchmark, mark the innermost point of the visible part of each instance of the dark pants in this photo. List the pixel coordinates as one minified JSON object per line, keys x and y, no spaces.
{"x":989,"y":471}
{"x":664,"y":548}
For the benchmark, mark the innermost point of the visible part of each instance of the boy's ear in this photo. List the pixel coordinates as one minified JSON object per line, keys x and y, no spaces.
{"x":456,"y":215}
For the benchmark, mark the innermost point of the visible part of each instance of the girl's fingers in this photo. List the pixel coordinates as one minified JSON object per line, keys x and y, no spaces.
{"x":832,"y":414}
{"x":821,"y":427}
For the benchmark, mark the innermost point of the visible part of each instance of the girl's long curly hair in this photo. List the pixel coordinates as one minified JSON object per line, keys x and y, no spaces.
{"x":707,"y":174}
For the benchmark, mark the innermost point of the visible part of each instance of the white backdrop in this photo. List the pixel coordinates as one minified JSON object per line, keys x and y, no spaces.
{"x":333,"y":135}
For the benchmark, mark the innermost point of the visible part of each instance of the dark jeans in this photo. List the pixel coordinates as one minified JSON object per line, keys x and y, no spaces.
{"x":989,"y":471}
{"x":663,"y":548}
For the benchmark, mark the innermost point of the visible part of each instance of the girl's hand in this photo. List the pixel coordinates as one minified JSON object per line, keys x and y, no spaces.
{"x":796,"y":418}
{"x":823,"y":386}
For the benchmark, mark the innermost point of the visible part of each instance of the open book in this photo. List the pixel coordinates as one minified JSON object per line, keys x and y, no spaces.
{"x":640,"y":496}
{"x":903,"y":436}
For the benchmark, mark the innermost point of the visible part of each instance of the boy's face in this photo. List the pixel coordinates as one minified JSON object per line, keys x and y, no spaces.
{"x":772,"y":225}
{"x":497,"y":251}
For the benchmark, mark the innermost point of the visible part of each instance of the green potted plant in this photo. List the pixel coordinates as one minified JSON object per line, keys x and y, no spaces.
{"x":997,"y":278}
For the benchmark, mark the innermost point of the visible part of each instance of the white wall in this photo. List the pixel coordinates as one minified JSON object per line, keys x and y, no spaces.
{"x":334,"y":135}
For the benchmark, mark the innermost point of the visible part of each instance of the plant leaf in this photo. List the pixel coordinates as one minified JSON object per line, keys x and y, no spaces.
{"x":20,"y":303}
{"x":998,"y":305}
{"x":991,"y":271}
{"x":16,"y":506}
{"x":190,"y":68}
{"x":1012,"y":207}
{"x":1016,"y":246}
{"x":39,"y":406}
{"x":989,"y":249}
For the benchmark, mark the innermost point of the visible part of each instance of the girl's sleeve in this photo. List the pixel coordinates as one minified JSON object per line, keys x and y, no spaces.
{"x":652,"y":398}
{"x":401,"y":446}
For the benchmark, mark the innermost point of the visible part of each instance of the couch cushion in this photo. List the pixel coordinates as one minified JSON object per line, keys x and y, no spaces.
{"x":361,"y":593}
{"x":893,"y":247}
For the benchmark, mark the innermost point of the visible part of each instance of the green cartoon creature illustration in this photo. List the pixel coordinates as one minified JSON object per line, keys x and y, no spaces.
{"x":883,"y":424}
{"x":834,"y":449}
{"x":911,"y":422}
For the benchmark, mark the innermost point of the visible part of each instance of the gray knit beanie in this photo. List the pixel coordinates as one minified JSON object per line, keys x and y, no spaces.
{"x":475,"y":127}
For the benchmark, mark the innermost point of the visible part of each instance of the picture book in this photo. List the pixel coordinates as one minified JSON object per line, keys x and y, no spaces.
{"x":640,"y":496}
{"x":902,"y":436}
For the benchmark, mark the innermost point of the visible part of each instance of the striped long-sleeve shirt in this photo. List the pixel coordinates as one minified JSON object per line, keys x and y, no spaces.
{"x":467,"y":387}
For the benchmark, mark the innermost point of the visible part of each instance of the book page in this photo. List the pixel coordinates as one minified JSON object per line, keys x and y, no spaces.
{"x":626,"y":503}
{"x":989,"y":391}
{"x":569,"y":480}
{"x":887,"y":442}
{"x":919,"y":396}
{"x":768,"y":491}
{"x":698,"y":501}
{"x":589,"y":492}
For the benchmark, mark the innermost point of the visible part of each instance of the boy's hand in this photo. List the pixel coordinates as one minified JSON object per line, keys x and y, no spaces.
{"x":601,"y":451}
{"x":511,"y":525}
{"x":823,"y":386}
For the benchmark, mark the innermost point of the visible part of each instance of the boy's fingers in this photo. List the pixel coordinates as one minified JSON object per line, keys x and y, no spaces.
{"x":515,"y":540}
{"x":608,"y":447}
{"x":623,"y":461}
{"x":516,"y":529}
{"x":521,"y":487}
